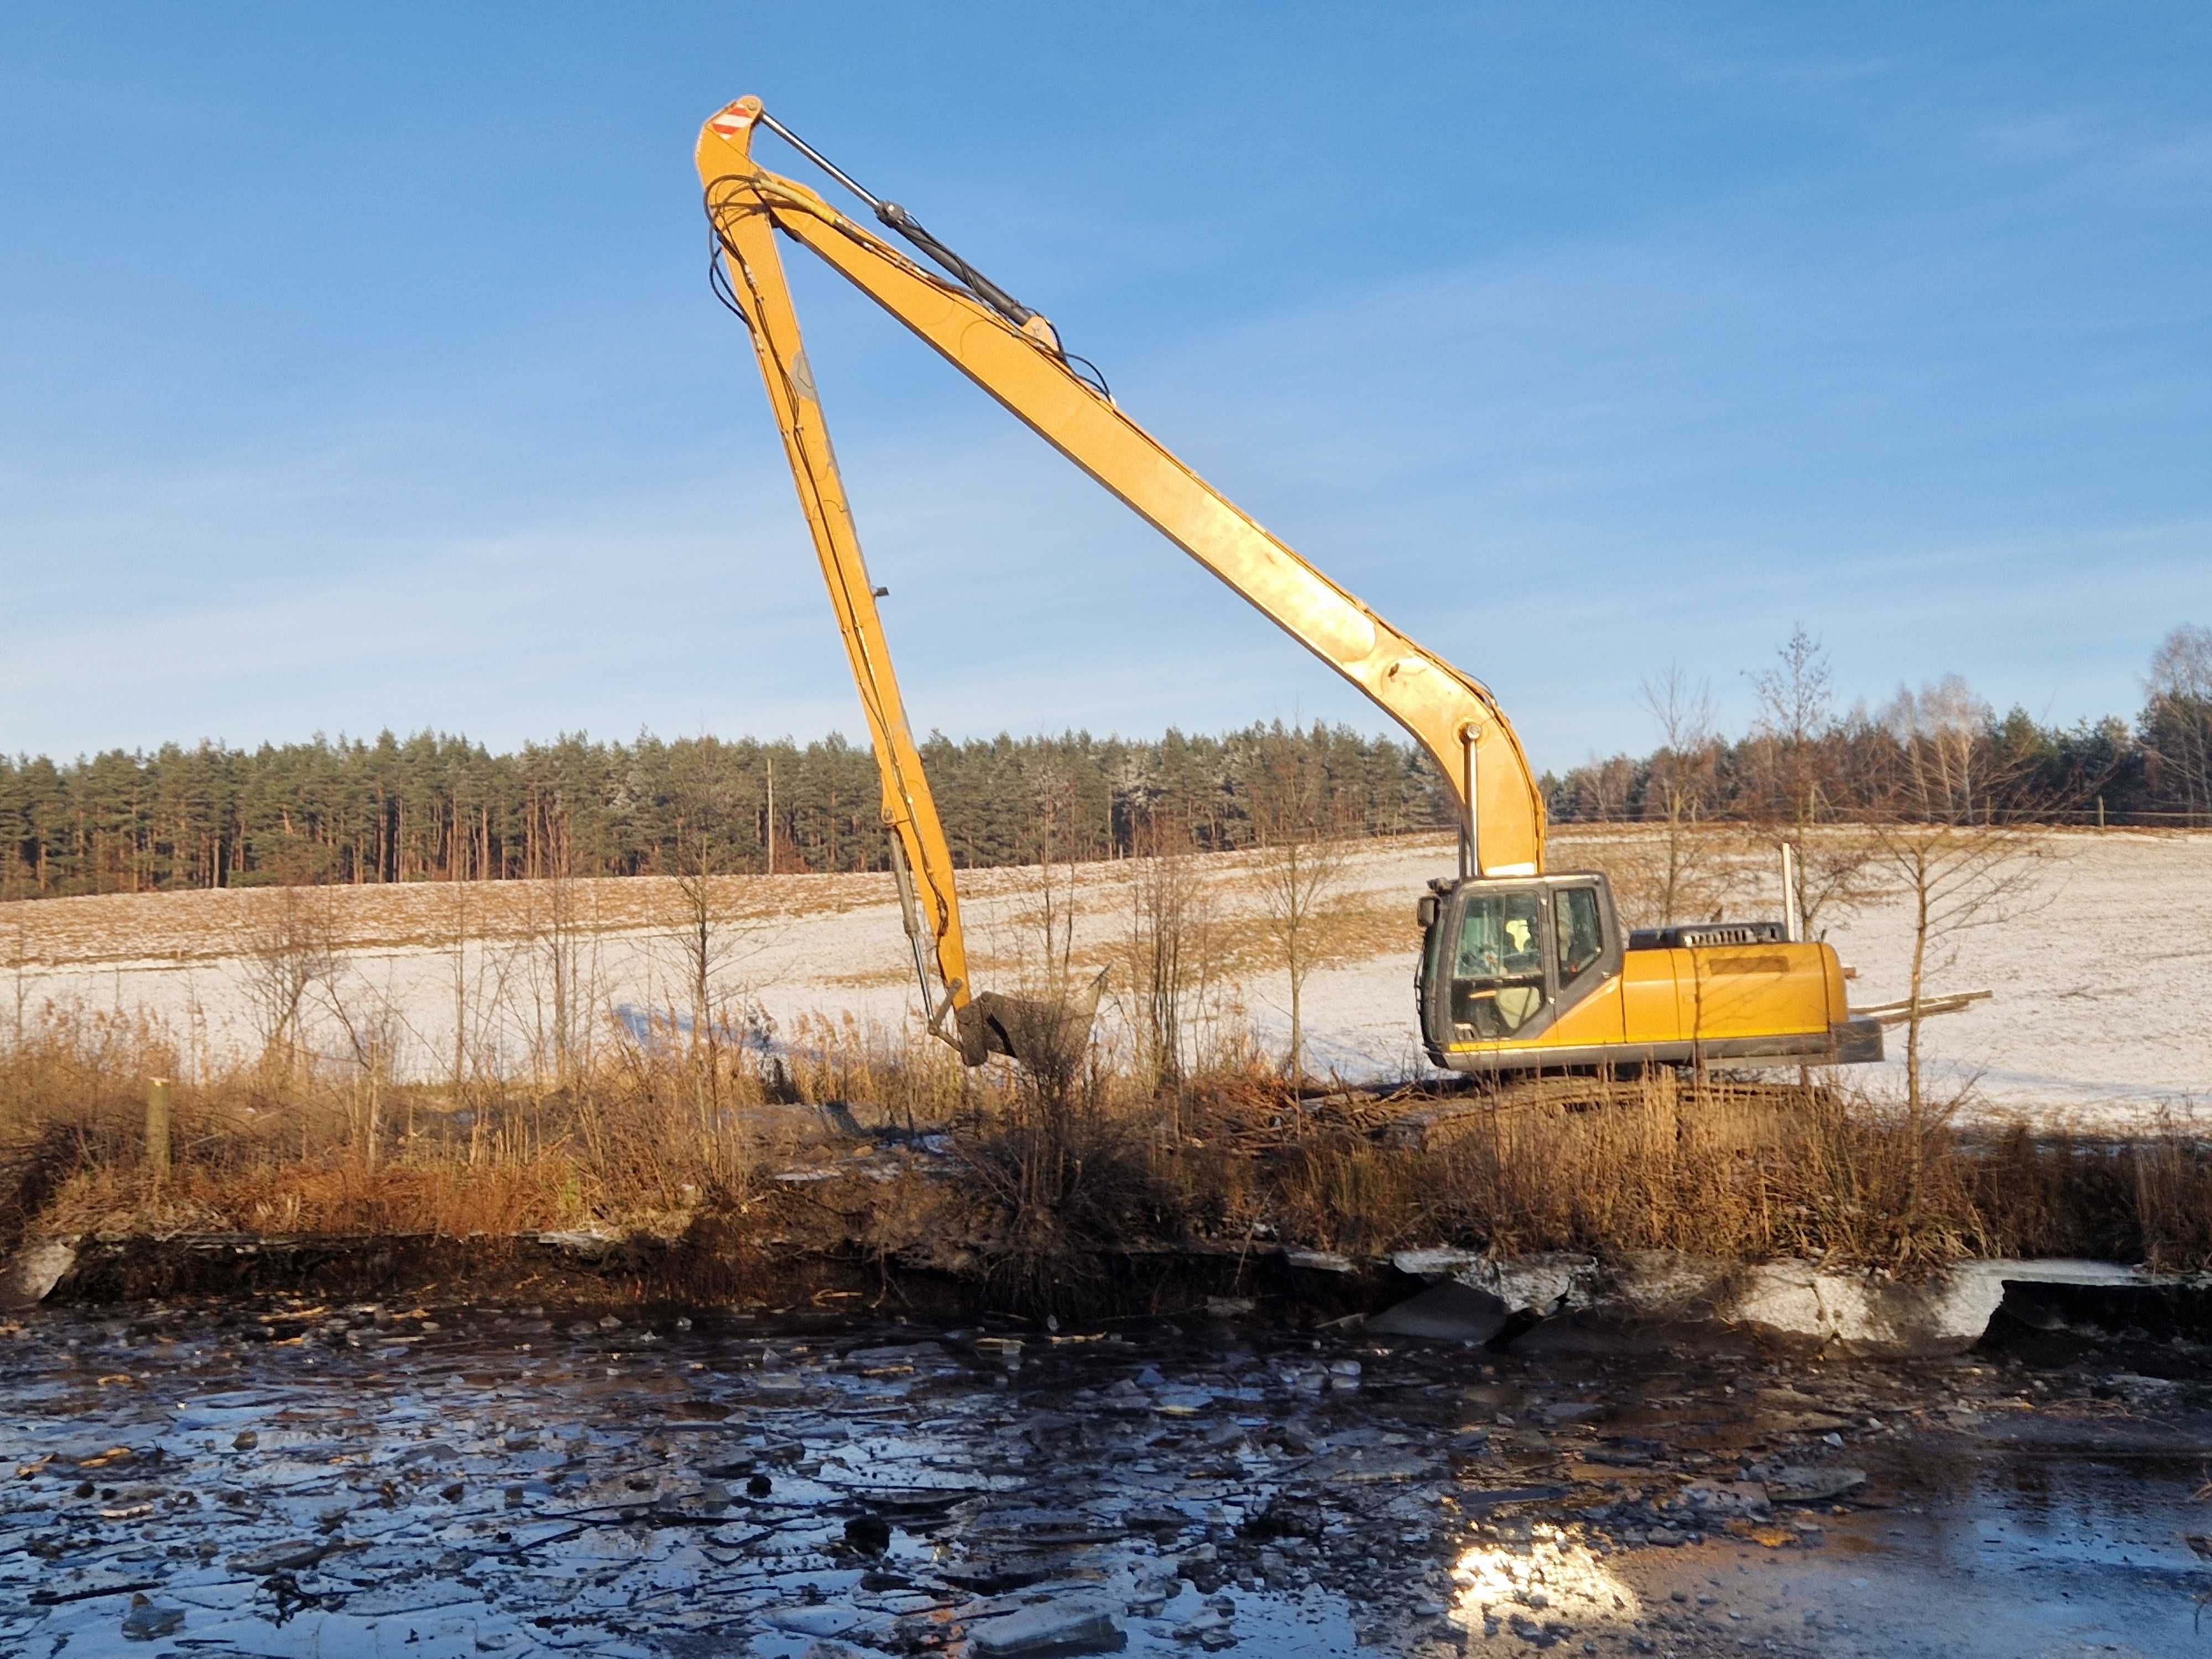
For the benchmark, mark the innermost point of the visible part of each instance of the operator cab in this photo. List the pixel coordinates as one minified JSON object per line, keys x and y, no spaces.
{"x":1503,"y":957}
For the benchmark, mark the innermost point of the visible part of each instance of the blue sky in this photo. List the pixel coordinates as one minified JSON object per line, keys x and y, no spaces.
{"x":358,"y":369}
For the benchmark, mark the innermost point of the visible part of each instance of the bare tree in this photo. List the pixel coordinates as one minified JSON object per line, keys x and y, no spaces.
{"x":1167,"y":927}
{"x":288,"y":949}
{"x":1798,"y":751}
{"x":374,"y":1028}
{"x":1609,"y":783}
{"x":458,"y":978}
{"x":1052,"y":832}
{"x":19,"y":965}
{"x":1795,"y":710}
{"x":1960,"y":864}
{"x":1300,"y":861}
{"x":1681,"y":788}
{"x":1942,"y":732}
{"x":559,"y":963}
{"x":706,"y":933}
{"x":18,"y":961}
{"x":2177,"y":721}
{"x":697,"y":931}
{"x":1050,"y":1021}
{"x":697,"y":923}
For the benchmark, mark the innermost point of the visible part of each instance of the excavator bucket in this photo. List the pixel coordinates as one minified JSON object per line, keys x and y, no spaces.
{"x":1044,"y":1034}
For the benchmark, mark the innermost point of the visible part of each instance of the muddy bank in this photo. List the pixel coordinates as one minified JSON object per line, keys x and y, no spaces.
{"x":709,"y":1266}
{"x":276,"y":1476}
{"x":1553,"y":1303}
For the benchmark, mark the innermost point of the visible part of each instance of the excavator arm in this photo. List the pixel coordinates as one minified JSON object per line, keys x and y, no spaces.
{"x":1014,"y":355}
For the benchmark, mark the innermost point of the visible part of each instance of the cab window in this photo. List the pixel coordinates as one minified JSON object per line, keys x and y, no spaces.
{"x":1581,"y":939}
{"x":1497,"y":965}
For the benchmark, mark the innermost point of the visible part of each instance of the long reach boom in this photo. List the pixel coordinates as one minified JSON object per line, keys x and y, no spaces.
{"x":1014,"y":355}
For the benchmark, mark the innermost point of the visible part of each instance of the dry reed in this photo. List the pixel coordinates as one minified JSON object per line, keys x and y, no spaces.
{"x":1048,"y":1183}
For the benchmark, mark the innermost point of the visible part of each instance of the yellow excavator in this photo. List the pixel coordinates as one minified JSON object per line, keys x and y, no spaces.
{"x":1521,"y":967}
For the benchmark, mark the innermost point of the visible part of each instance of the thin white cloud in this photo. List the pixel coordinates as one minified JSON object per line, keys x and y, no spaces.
{"x":2100,"y":148}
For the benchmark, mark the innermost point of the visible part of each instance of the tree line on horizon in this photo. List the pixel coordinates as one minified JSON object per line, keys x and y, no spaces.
{"x":438,"y":807}
{"x":1938,"y":751}
{"x":435,"y":806}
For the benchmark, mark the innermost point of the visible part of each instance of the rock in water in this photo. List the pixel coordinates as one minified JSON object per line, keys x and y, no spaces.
{"x":146,"y":1622}
{"x":32,"y":1276}
{"x":868,"y":1534}
{"x":1727,"y":1498}
{"x":1799,"y":1484}
{"x":1450,"y":1312}
{"x":1074,"y":1625}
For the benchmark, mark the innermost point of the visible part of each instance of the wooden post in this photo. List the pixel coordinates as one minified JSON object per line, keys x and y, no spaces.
{"x":2100,"y":812}
{"x":157,"y":1128}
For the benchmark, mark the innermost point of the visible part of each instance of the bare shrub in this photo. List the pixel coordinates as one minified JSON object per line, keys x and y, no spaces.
{"x":375,"y":1029}
{"x":1167,"y":949}
{"x":1298,"y":865}
{"x":1802,"y":763}
{"x":286,"y":951}
{"x":1934,"y":839}
{"x":2172,"y":1198}
{"x":703,"y":932}
{"x":2178,"y":719}
{"x":558,"y":963}
{"x":1689,"y":881}
{"x":19,"y":982}
{"x":1052,"y":1193}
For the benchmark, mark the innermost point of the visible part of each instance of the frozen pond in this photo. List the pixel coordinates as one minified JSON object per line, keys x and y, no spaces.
{"x":279,"y":1479}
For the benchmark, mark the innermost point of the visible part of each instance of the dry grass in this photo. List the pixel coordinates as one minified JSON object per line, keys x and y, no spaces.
{"x":1710,"y":1167}
{"x":277,"y":1149}
{"x":1048,"y":1184}
{"x":2172,"y":1192}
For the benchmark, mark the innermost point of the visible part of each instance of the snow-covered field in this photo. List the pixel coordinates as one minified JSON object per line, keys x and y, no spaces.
{"x":2103,"y":978}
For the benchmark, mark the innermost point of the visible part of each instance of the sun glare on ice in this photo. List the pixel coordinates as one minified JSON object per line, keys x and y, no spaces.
{"x":1551,"y":1572}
